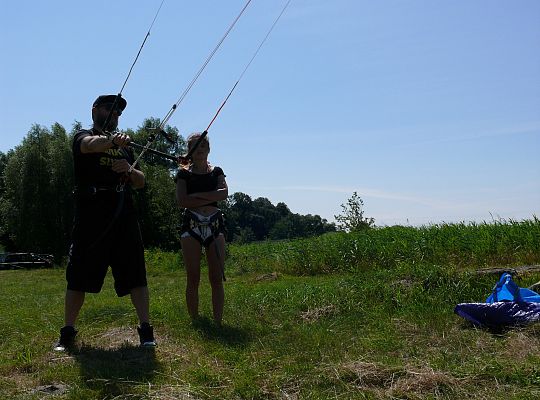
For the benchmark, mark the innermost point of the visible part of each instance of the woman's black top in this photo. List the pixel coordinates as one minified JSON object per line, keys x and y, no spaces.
{"x":196,"y":183}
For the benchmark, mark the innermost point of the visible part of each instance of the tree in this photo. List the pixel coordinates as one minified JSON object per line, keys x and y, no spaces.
{"x":352,"y":219}
{"x":263,"y":218}
{"x":3,"y":163}
{"x":4,"y":204}
{"x":244,"y":235}
{"x":249,"y":220}
{"x":159,"y":215}
{"x":145,"y":132}
{"x":284,"y":229}
{"x":238,"y":209}
{"x":313,"y":225}
{"x":61,"y":181}
{"x":282,"y":209}
{"x":36,"y":206}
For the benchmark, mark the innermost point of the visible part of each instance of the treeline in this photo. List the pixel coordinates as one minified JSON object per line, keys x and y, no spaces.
{"x":250,"y":220}
{"x":36,"y":200}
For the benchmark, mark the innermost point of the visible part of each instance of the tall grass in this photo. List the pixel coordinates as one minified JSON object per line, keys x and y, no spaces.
{"x":460,"y":245}
{"x":168,"y":261}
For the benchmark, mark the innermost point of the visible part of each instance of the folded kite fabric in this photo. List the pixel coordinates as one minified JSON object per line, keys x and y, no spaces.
{"x":501,"y":314}
{"x":508,"y":305}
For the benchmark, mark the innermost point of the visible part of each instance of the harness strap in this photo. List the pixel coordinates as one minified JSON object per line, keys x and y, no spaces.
{"x":211,"y":223}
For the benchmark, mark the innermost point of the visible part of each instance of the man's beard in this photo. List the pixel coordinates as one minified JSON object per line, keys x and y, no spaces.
{"x":100,"y":122}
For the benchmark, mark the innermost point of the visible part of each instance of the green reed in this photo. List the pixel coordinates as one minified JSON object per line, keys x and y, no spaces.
{"x":463,"y":245}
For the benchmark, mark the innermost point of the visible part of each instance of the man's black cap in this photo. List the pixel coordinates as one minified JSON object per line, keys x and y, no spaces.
{"x":109,"y":99}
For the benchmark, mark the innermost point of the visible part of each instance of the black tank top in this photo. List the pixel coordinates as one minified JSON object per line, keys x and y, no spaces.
{"x":196,"y":183}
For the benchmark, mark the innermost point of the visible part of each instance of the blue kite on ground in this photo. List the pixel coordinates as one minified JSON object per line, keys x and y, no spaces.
{"x":507,"y":306}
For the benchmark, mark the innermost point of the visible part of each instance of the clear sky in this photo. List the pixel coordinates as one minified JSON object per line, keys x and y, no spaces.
{"x":430,"y":110}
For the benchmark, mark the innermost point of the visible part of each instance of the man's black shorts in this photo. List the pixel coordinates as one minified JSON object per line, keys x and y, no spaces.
{"x":91,"y":254}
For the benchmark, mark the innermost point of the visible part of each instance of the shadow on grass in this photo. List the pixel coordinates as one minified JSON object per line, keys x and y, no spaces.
{"x":502,"y":332}
{"x":225,"y":334}
{"x":117,"y":371}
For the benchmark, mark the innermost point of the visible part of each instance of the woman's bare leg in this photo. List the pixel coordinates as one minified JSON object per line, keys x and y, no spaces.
{"x":215,"y":255}
{"x":191,"y":251}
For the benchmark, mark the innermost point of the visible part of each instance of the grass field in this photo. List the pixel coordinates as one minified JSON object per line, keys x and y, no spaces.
{"x":293,"y":327}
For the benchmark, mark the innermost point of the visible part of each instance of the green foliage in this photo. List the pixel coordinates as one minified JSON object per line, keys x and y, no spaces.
{"x":157,"y":259}
{"x":159,"y":215}
{"x":145,"y":132}
{"x":486,"y":244}
{"x":4,"y":204}
{"x":3,"y":163}
{"x":352,"y":219}
{"x":250,"y":220}
{"x":37,"y":196}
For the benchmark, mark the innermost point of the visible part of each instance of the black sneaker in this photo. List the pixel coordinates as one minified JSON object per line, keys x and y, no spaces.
{"x":67,"y":337}
{"x":146,"y":335}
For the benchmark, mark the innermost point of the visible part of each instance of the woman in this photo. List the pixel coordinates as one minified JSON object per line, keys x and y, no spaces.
{"x":199,"y":186}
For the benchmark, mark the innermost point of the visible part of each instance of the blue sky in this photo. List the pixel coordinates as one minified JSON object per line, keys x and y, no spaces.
{"x":430,"y":110}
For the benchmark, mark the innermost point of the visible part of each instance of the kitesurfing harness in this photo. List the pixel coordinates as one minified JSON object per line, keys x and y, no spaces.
{"x":205,"y":229}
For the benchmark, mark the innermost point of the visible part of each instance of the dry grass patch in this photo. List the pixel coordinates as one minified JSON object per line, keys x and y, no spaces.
{"x":273,"y":276}
{"x":171,"y":392}
{"x":17,"y":383}
{"x":171,"y":351}
{"x":520,"y":345}
{"x":366,"y":375}
{"x":27,"y":379}
{"x":406,"y":328}
{"x":289,"y":393}
{"x":394,"y":382}
{"x":425,"y":381}
{"x":314,"y":314}
{"x":117,"y":337}
{"x":56,"y":389}
{"x":289,"y":390}
{"x":405,"y":283}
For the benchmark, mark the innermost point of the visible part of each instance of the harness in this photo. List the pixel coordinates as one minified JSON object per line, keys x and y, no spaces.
{"x":205,"y":229}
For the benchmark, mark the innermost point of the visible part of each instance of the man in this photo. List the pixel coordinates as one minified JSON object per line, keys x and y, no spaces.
{"x":105,"y":232}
